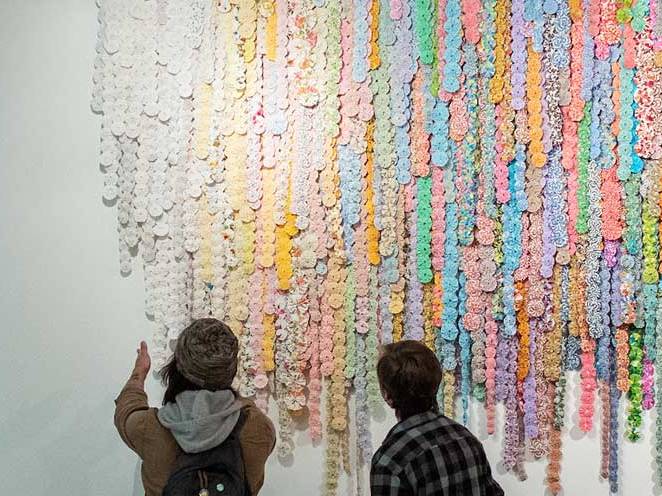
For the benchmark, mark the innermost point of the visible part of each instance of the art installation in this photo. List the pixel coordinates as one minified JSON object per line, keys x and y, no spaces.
{"x":328,"y":175}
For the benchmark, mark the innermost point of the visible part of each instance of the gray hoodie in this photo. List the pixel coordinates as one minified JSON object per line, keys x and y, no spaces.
{"x":201,"y":420}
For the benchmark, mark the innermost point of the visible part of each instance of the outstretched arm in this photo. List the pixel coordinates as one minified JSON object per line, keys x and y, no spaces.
{"x":131,"y":404}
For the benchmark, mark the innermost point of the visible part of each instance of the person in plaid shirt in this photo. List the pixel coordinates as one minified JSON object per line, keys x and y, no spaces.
{"x":425,"y":454}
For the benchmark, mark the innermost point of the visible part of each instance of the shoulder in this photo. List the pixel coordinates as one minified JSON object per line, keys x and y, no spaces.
{"x":401,"y":444}
{"x":257,"y":426}
{"x":453,"y":426}
{"x":417,"y":435}
{"x":449,"y":434}
{"x":147,"y":437}
{"x":454,"y":429}
{"x":253,"y":414}
{"x":154,"y":431}
{"x":454,"y":444}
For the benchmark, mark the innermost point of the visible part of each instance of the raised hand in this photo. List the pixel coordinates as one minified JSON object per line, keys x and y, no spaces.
{"x":143,"y":361}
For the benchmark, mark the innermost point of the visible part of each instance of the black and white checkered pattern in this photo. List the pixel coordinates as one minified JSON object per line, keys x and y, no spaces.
{"x":431,"y":455}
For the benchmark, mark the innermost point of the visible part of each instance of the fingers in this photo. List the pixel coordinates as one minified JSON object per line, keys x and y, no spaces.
{"x":142,"y":350}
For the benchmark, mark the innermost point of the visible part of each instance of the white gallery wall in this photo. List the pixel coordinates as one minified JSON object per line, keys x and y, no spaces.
{"x":70,"y":322}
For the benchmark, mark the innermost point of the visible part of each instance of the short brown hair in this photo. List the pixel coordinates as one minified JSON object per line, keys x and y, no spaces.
{"x":409,"y":373}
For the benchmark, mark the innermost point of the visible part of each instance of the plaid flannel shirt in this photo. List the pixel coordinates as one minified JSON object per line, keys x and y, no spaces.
{"x":431,"y":455}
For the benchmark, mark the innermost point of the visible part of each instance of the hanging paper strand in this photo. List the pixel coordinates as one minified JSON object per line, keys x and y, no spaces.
{"x":540,"y":445}
{"x":614,"y":394}
{"x":635,"y":392}
{"x":605,"y":427}
{"x":449,"y":327}
{"x":465,"y":353}
{"x":658,"y":370}
{"x":469,"y":150}
{"x":453,"y":42}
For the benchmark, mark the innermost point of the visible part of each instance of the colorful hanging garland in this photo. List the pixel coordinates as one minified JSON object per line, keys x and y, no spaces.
{"x":326,"y":176}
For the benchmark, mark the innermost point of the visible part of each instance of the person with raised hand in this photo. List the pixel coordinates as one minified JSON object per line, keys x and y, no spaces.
{"x":205,"y":439}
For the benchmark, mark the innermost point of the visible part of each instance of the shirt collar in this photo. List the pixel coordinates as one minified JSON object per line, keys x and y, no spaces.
{"x":413,"y":421}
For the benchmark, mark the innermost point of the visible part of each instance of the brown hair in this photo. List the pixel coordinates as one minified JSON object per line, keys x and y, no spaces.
{"x":175,"y":382}
{"x":409,"y":374}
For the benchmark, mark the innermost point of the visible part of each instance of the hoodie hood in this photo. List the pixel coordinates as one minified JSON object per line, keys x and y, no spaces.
{"x":201,"y":420}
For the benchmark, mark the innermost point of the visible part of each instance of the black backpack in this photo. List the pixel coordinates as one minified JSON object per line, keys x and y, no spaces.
{"x":215,"y":472}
